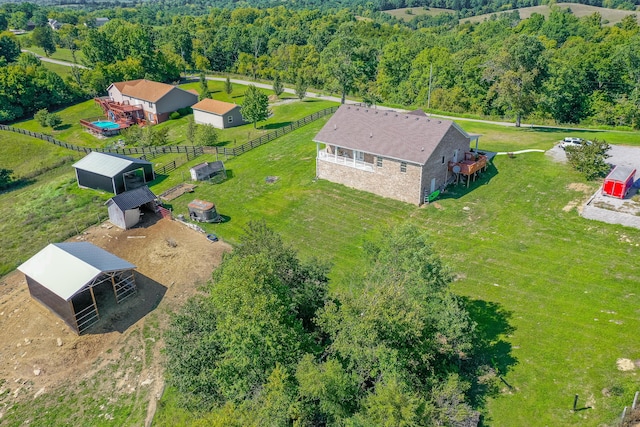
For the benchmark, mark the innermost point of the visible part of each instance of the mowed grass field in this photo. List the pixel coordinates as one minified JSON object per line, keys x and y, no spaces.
{"x":609,"y":16}
{"x":554,"y":294}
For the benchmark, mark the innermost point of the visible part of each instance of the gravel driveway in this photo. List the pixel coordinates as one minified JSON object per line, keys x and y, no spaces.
{"x":609,"y":209}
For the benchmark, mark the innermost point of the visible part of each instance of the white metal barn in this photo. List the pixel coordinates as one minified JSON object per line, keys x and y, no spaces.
{"x":62,"y":277}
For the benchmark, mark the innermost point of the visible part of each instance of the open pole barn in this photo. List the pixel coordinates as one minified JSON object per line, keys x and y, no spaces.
{"x":125,"y":208}
{"x":113,"y":173}
{"x":63,"y":277}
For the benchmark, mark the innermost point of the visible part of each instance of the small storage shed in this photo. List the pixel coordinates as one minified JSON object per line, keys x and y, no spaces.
{"x":619,"y":182}
{"x":205,"y":171}
{"x":218,"y":114}
{"x":113,"y":173}
{"x":203,"y":211}
{"x":62,"y":277}
{"x":124,"y":209}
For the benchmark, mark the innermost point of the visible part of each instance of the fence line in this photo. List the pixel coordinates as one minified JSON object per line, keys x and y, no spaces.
{"x":236,"y":151}
{"x":191,"y":151}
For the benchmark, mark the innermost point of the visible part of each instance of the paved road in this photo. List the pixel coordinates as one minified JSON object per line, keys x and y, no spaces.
{"x":55,"y":61}
{"x":336,"y":99}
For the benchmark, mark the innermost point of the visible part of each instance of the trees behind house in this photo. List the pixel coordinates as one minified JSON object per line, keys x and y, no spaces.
{"x":400,"y":339}
{"x":255,"y":107}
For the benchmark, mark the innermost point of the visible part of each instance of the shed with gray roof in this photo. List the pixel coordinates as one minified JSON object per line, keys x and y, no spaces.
{"x":113,"y":173}
{"x":63,"y":276}
{"x":404,"y":156}
{"x":125,"y":208}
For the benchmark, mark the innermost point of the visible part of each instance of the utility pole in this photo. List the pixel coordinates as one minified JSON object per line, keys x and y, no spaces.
{"x":429,"y":95}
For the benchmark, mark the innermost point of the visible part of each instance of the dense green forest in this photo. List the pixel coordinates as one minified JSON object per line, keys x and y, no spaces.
{"x":399,"y":351}
{"x":561,"y":68}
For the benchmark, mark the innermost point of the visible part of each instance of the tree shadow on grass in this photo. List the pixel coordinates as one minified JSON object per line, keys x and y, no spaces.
{"x":272,"y":126}
{"x":492,"y":358}
{"x":570,"y":131}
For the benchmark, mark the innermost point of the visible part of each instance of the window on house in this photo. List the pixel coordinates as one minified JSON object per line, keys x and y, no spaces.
{"x":150,"y":104}
{"x":443,"y":160}
{"x":230,"y":119}
{"x":403,"y":166}
{"x":379,"y":162}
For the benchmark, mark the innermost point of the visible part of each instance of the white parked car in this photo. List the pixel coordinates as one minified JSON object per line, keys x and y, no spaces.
{"x":570,"y":142}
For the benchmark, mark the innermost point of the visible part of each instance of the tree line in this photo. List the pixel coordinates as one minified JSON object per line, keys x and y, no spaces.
{"x":266,"y":344}
{"x":561,"y":68}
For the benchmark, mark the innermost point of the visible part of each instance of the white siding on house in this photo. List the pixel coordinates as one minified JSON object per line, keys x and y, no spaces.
{"x":204,"y":118}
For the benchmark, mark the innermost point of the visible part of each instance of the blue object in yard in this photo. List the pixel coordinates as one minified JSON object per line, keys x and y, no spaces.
{"x":106,"y":125}
{"x":212,"y":237}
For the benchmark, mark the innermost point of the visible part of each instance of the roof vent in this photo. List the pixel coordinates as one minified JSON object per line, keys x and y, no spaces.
{"x":439,"y":122}
{"x":366,"y":111}
{"x":417,"y":118}
{"x":335,"y":127}
{"x":386,"y":114}
{"x":370,"y":134}
{"x":406,"y":117}
{"x":396,"y":115}
{"x":376,"y":111}
{"x":422,"y":149}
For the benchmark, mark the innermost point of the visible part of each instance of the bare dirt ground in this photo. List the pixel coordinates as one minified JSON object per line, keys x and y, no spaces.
{"x":40,"y":354}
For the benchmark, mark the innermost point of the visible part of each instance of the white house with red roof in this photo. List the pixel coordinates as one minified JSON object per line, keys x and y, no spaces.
{"x":157,"y":100}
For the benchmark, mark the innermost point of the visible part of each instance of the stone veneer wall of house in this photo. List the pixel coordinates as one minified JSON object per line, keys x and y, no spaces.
{"x":385,"y":181}
{"x":435,"y":168}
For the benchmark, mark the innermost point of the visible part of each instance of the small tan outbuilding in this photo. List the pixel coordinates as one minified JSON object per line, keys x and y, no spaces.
{"x":218,"y":114}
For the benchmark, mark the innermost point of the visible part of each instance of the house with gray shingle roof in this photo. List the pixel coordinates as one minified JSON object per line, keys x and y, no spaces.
{"x":403,"y":156}
{"x":157,"y":100}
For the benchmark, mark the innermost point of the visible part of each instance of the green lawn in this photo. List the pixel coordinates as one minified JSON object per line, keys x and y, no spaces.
{"x":554,"y":294}
{"x":72,"y":132}
{"x":61,"y":54}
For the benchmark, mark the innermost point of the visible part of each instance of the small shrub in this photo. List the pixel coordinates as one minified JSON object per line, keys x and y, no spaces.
{"x":185,"y":111}
{"x":174,"y":116}
{"x":41,"y":117}
{"x":409,"y":12}
{"x":54,"y":120}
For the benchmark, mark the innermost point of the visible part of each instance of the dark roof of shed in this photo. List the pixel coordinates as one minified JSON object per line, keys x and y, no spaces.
{"x":401,"y":136}
{"x":211,"y":167}
{"x":620,"y":173}
{"x":107,"y":164}
{"x":133,"y":198}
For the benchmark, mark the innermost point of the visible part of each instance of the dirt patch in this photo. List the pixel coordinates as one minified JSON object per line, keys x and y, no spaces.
{"x":578,"y":186}
{"x":41,"y":354}
{"x":625,"y":364}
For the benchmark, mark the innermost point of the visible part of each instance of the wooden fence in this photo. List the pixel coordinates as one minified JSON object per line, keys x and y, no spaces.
{"x":149,"y":153}
{"x":236,"y":151}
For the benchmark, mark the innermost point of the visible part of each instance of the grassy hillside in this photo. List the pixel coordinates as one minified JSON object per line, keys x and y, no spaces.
{"x":609,"y":16}
{"x":553,"y":293}
{"x":408,"y":13}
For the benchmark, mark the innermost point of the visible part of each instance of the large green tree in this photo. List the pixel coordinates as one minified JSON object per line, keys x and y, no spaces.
{"x":516,"y":73}
{"x":255,"y":107}
{"x":9,"y":47}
